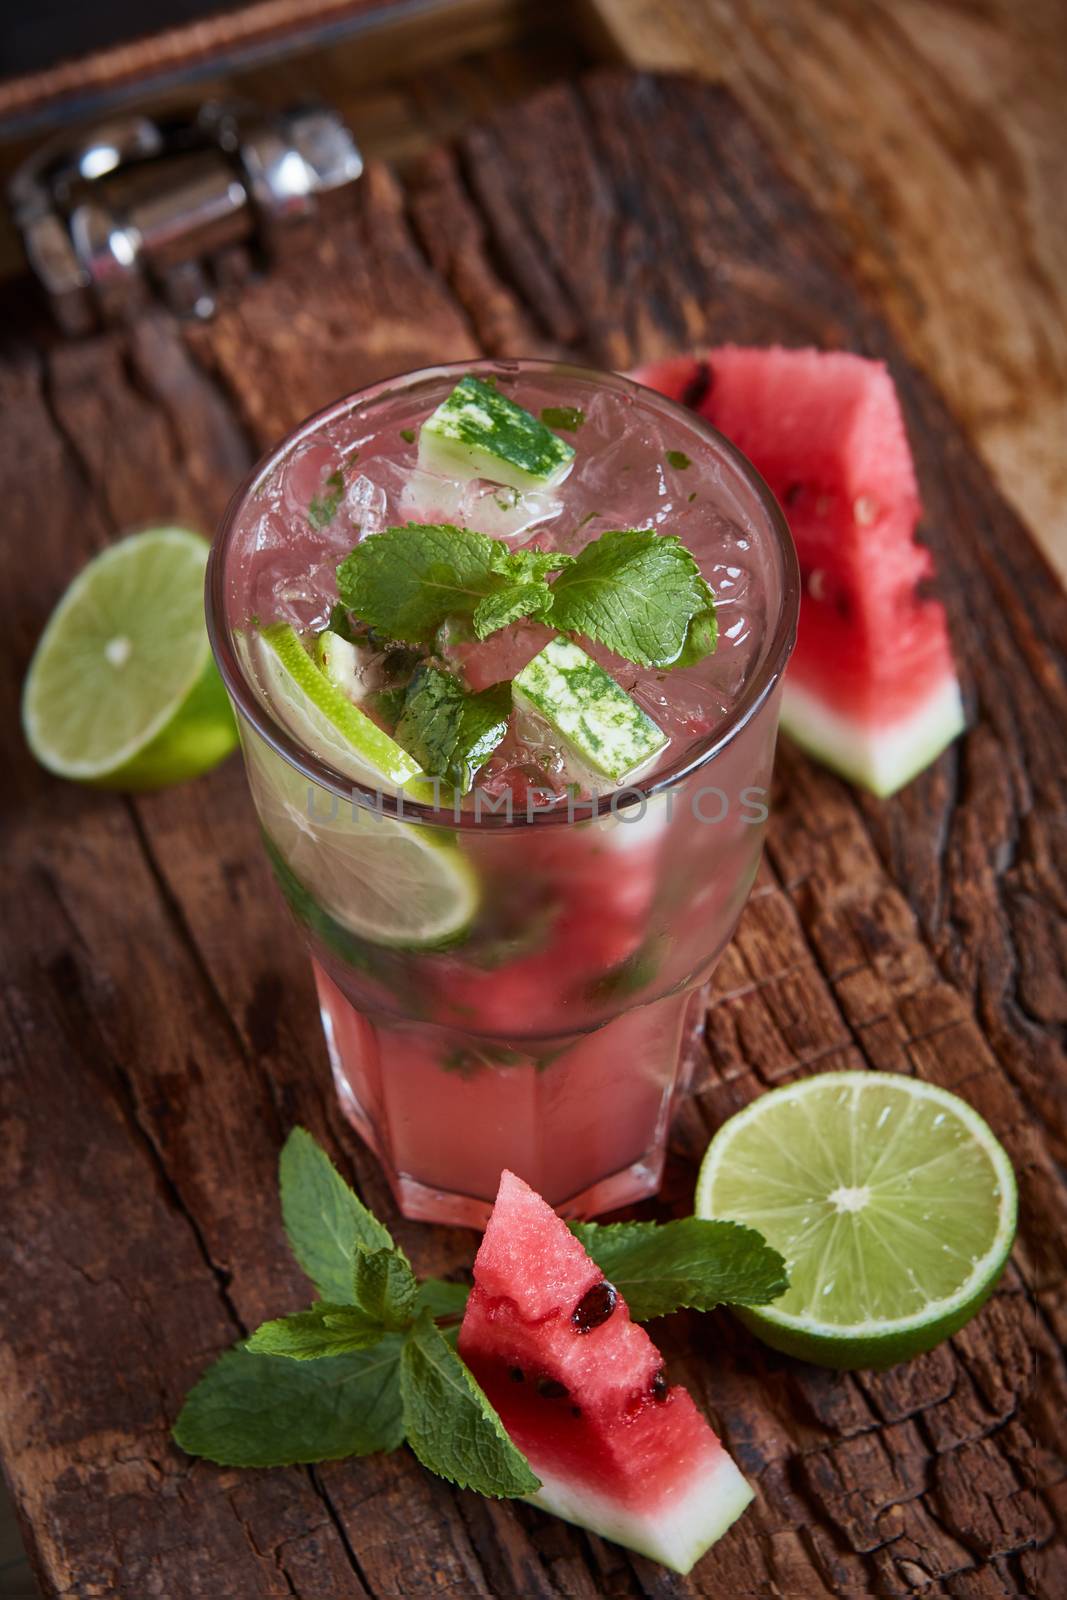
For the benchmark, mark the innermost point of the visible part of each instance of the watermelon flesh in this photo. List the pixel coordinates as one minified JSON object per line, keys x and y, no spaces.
{"x":581,"y":1391}
{"x":871,"y":688}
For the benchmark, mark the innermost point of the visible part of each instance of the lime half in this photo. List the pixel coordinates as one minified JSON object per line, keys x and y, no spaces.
{"x":395,"y":883}
{"x":890,"y":1199}
{"x":122,"y":691}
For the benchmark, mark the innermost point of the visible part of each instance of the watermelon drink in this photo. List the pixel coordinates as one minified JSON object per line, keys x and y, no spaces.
{"x":513,"y":797}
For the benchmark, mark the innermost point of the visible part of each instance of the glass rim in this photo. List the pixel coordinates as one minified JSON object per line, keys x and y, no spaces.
{"x":249,"y":704}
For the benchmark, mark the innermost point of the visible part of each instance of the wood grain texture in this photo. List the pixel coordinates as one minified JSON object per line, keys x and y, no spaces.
{"x":932,"y":131}
{"x":158,"y":1027}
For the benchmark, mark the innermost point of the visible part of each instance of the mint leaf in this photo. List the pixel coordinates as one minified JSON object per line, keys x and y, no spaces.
{"x":528,"y":566}
{"x":341,"y":623}
{"x":442,"y":1299}
{"x":385,"y":1288}
{"x":701,"y":637}
{"x":325,"y":1330}
{"x":253,"y":1410}
{"x":510,"y":604}
{"x":636,"y":591}
{"x":323,"y":507}
{"x":450,"y":1424}
{"x":523,"y":590}
{"x":658,"y":1267}
{"x":569,"y":418}
{"x":324,"y":1221}
{"x":678,"y":460}
{"x":405,"y":581}
{"x":450,"y":732}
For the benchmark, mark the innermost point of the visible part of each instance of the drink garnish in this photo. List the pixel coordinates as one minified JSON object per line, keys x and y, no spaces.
{"x":638,"y":592}
{"x":448,"y":730}
{"x":315,"y":1386}
{"x":599,"y":726}
{"x":569,"y":418}
{"x":339,"y":659}
{"x":325,"y":716}
{"x":477,"y":432}
{"x":406,"y":581}
{"x":634,"y":590}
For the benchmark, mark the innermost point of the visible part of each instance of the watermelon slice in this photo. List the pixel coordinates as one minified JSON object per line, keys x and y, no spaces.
{"x":581,"y":1390}
{"x":871,"y":689}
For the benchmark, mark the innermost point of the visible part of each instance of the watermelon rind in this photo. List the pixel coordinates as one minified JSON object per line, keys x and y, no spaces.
{"x":880,"y":758}
{"x":675,"y":1532}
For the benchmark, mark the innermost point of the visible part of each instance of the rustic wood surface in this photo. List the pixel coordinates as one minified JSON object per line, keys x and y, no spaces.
{"x":933,"y":132}
{"x":159,"y":1031}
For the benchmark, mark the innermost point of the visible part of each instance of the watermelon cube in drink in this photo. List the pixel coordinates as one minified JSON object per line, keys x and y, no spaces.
{"x":514,"y":797}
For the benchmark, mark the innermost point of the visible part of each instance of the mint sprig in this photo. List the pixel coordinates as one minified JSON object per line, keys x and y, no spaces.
{"x":373,"y":1362}
{"x":638,"y":592}
{"x":658,"y":1267}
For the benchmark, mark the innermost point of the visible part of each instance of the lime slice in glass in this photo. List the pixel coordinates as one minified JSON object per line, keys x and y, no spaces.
{"x":122,"y":691}
{"x":890,"y":1199}
{"x":396,"y":883}
{"x":327,"y":722}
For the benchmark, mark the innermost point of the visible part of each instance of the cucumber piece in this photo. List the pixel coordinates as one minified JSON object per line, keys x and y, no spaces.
{"x":476,"y":432}
{"x":599,"y":726}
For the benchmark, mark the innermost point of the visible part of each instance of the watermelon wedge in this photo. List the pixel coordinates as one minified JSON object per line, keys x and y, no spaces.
{"x":871,"y":689}
{"x":582,"y":1392}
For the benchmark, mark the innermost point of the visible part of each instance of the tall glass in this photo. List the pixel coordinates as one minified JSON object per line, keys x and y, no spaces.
{"x":544,"y":1034}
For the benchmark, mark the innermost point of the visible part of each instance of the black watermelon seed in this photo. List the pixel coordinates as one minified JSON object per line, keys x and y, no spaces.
{"x":659,"y":1385}
{"x":595,"y":1307}
{"x":699,"y":386}
{"x":792,"y":493}
{"x":516,"y":1375}
{"x":576,"y":1411}
{"x":552,"y":1389}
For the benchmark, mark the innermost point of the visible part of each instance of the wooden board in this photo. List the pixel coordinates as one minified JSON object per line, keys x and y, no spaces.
{"x":159,"y":1032}
{"x":932,"y":132}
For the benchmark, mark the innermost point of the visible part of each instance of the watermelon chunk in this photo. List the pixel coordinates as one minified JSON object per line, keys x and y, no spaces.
{"x":581,"y":1390}
{"x":871,"y":689}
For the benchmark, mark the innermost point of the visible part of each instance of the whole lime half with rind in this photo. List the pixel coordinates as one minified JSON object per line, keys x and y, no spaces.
{"x":891,"y":1200}
{"x":122,"y":691}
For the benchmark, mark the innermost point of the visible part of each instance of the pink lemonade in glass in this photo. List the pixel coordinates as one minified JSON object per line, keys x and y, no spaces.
{"x":503,"y":977}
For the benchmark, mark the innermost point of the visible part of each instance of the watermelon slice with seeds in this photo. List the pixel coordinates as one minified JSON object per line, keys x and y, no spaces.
{"x":582,"y":1391}
{"x":872,"y":688}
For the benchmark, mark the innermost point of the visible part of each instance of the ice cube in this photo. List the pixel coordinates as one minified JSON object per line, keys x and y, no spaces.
{"x":424,"y":497}
{"x":366,"y":507}
{"x":619,"y":475}
{"x":303,"y":598}
{"x":305,"y":478}
{"x":505,"y":513}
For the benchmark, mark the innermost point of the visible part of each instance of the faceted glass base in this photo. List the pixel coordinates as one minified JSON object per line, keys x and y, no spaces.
{"x":586,"y":1125}
{"x":421,"y":1203}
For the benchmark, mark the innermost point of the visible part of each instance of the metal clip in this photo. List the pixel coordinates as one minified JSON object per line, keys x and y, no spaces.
{"x":143,"y":204}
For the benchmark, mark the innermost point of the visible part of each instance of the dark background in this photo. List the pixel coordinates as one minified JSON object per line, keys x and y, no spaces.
{"x":36,"y":33}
